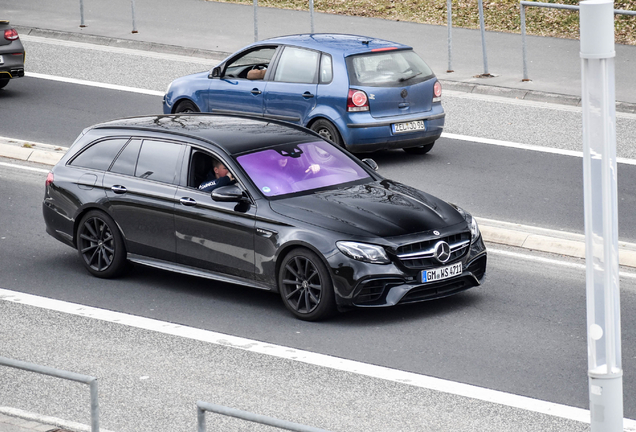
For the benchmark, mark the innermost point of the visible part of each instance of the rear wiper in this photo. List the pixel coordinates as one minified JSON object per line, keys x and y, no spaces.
{"x":412,"y":76}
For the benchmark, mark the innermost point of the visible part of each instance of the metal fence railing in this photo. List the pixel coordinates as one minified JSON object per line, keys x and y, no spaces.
{"x":524,"y":4}
{"x":202,"y":407}
{"x":58,"y":373}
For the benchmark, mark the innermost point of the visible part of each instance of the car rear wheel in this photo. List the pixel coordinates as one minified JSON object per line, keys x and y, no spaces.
{"x":186,"y":107}
{"x":305,"y":286}
{"x":420,"y":149}
{"x":4,"y":82}
{"x":100,"y":245}
{"x":327,"y":130}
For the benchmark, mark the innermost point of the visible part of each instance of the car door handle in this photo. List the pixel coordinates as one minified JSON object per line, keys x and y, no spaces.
{"x":119,"y":189}
{"x":307,"y":95}
{"x":403,"y":105}
{"x":256,"y":91}
{"x":187,"y":201}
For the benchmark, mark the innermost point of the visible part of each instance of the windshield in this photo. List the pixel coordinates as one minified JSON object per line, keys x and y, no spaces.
{"x":299,"y":168}
{"x":388,"y":69}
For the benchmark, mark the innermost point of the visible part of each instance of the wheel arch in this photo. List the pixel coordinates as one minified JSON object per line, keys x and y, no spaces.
{"x":80,"y":214}
{"x":313,"y":120}
{"x":298,"y":244}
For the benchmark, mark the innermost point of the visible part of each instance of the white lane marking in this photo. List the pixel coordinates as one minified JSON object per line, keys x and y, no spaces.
{"x":530,"y":147}
{"x":23,"y":167}
{"x":126,"y":51}
{"x":394,"y":375}
{"x":551,"y":261}
{"x":94,"y":84}
{"x":526,"y":103}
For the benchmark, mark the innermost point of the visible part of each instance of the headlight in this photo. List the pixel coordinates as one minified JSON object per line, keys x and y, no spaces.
{"x":472,"y":223}
{"x":363,"y":252}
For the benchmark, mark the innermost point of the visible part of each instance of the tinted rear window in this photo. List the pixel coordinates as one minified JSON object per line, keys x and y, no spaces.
{"x":100,"y":155}
{"x":158,"y":161}
{"x":388,"y":69}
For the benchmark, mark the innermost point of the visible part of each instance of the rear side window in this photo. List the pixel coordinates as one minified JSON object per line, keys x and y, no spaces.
{"x":158,"y":161}
{"x":326,"y":71}
{"x":297,"y":65}
{"x":127,"y":159}
{"x":388,"y":69}
{"x":100,"y":155}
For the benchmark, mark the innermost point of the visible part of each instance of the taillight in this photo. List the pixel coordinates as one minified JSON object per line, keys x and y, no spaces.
{"x":357,"y":101}
{"x":11,"y":34}
{"x":49,"y":179}
{"x":437,"y":92}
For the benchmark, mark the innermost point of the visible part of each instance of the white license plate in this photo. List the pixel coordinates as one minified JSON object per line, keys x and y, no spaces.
{"x":408,"y":126}
{"x":1,"y":60}
{"x":442,"y":273}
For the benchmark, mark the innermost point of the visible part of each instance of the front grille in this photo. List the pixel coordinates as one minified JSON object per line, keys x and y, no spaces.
{"x":426,"y":249}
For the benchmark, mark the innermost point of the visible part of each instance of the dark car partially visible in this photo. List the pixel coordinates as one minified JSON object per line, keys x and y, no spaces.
{"x":11,"y":54}
{"x":305,"y":218}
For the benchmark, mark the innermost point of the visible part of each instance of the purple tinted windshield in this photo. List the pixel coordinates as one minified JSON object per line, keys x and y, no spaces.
{"x":299,"y":168}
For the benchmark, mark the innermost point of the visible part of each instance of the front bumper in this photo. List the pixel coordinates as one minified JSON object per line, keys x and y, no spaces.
{"x":367,"y":285}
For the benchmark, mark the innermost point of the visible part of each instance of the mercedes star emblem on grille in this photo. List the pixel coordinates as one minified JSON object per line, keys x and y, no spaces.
{"x":442,"y":252}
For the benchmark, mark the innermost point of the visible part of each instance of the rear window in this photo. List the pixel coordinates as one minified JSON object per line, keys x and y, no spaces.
{"x":388,"y":69}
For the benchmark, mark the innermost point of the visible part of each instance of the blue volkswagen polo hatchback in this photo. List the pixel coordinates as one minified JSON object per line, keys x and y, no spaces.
{"x":362,"y":93}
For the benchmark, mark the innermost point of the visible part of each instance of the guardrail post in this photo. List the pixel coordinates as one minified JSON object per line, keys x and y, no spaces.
{"x":311,"y":14}
{"x":255,"y":20}
{"x":483,"y":36}
{"x":449,"y":17}
{"x":132,"y":4}
{"x":523,"y":42}
{"x":82,"y":14}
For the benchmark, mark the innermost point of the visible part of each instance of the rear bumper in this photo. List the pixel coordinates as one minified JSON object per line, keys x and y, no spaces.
{"x":368,"y":134}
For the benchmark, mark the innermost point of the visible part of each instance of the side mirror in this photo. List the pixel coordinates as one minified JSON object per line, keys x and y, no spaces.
{"x":216,"y":72}
{"x":371,"y":163}
{"x":231,"y":193}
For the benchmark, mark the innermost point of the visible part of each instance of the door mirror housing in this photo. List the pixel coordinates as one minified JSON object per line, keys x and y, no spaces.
{"x":371,"y":163}
{"x":215,"y":73}
{"x":231,"y":193}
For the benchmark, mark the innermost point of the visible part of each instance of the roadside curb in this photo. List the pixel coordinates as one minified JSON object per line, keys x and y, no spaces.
{"x":17,"y":420}
{"x":467,"y":87}
{"x":493,"y":231}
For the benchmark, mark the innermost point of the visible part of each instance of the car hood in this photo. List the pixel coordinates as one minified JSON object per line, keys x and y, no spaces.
{"x":381,"y":209}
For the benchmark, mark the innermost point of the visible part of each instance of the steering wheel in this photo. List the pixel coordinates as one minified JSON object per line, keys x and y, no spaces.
{"x":260,"y":66}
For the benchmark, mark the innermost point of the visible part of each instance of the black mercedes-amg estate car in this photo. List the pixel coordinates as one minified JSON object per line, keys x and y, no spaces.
{"x":259,"y":203}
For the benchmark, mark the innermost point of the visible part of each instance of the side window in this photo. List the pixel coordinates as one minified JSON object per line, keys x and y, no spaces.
{"x":201,"y":168}
{"x":100,"y":155}
{"x":297,"y":65}
{"x":127,"y":159}
{"x":326,"y":71}
{"x":158,"y":161}
{"x":252,"y":65}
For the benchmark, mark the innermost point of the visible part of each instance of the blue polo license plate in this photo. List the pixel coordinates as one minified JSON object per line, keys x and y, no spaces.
{"x":442,"y":273}
{"x":411,"y":126}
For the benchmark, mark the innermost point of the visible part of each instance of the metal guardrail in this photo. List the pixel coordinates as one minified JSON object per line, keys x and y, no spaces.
{"x":58,"y":373}
{"x":202,"y":407}
{"x":524,"y":4}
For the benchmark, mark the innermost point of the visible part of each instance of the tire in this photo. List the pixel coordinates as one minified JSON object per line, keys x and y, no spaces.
{"x":4,"y":82}
{"x":327,"y":130}
{"x":100,"y":245}
{"x":186,"y":107}
{"x":423,"y":149}
{"x":305,"y":286}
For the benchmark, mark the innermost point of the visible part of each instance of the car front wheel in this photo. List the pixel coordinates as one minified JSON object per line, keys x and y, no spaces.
{"x":305,"y":286}
{"x":186,"y":107}
{"x":100,"y":245}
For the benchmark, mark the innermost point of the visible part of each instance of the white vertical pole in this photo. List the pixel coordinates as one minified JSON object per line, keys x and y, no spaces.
{"x":601,"y":219}
{"x":449,"y":19}
{"x":255,"y":20}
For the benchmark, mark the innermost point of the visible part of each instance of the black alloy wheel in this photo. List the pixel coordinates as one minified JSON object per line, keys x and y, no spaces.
{"x":305,"y":286}
{"x":100,"y":245}
{"x":186,"y":107}
{"x":423,"y":149}
{"x":327,"y":130}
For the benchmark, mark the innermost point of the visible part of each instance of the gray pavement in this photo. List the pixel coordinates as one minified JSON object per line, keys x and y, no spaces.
{"x":211,"y":30}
